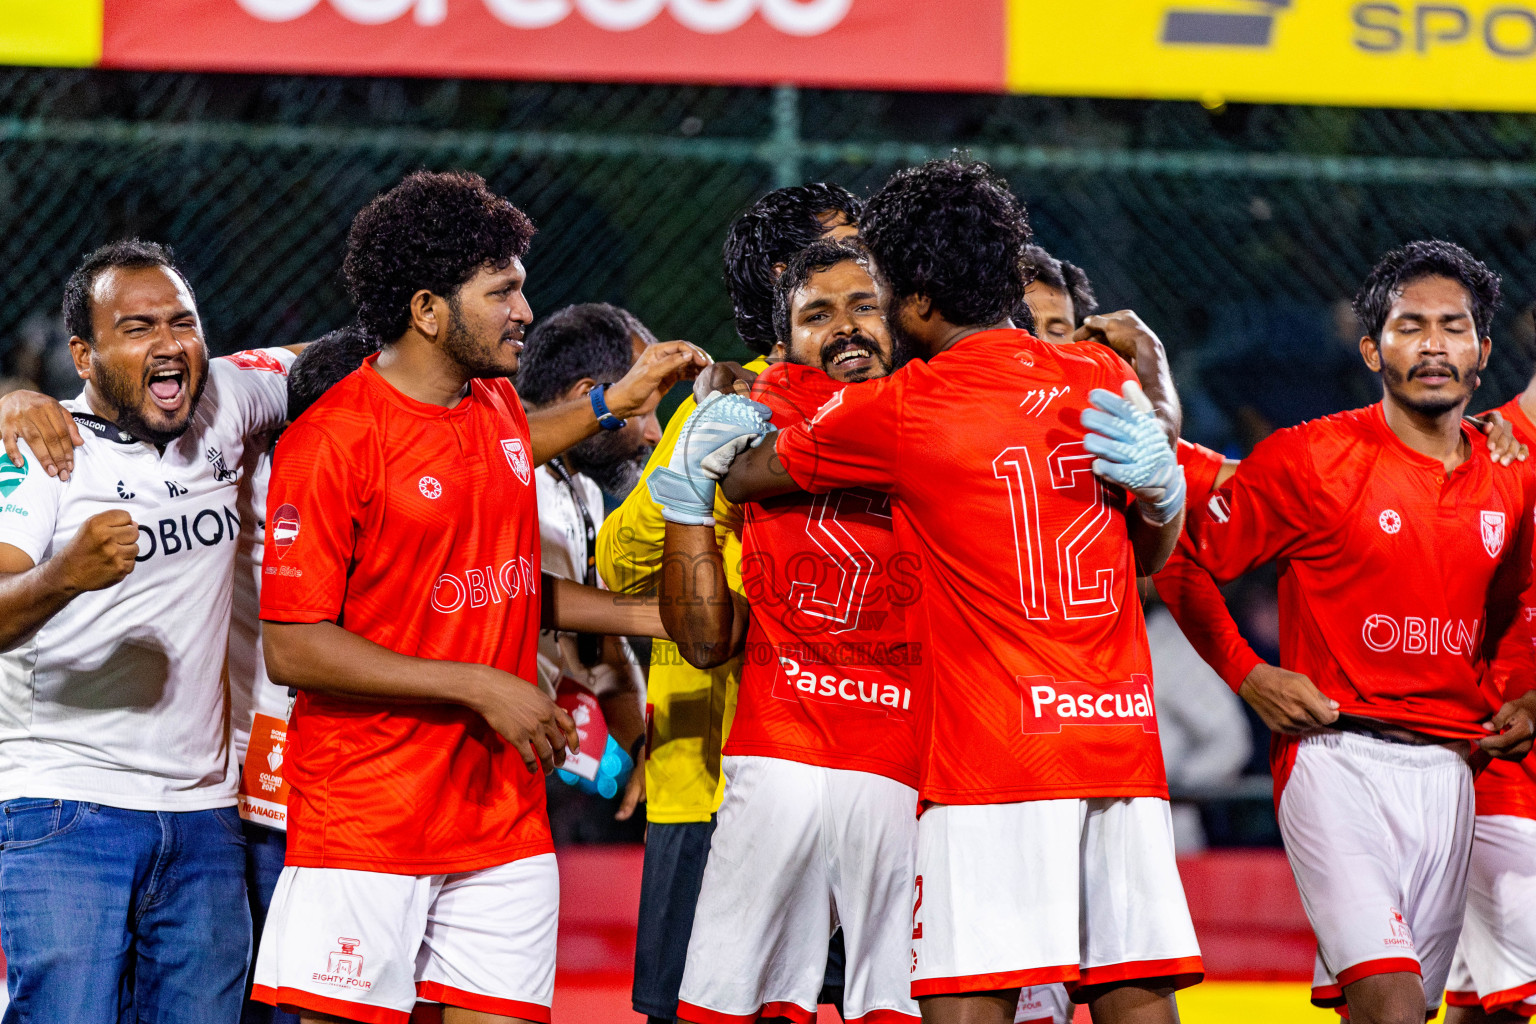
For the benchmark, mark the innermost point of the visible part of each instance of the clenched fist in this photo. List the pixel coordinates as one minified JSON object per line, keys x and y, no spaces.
{"x":101,"y":554}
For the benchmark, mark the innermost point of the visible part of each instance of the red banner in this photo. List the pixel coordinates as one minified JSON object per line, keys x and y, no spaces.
{"x":908,"y":44}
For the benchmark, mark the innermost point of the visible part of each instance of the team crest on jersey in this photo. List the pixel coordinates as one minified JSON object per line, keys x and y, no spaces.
{"x":1493,"y":532}
{"x":1390,"y":521}
{"x":517,"y":457}
{"x":285,"y":529}
{"x":254,"y":360}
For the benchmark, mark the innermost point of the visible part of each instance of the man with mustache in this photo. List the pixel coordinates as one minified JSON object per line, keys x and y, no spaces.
{"x":124,"y":865}
{"x":1039,"y":770}
{"x":820,"y":766}
{"x":402,"y":598}
{"x":689,"y":710}
{"x":1404,"y":554}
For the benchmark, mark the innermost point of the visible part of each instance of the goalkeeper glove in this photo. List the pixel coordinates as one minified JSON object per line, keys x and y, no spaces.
{"x":1134,"y":451}
{"x":721,"y":428}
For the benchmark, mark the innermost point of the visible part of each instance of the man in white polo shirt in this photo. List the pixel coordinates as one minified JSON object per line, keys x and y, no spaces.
{"x":122,"y":861}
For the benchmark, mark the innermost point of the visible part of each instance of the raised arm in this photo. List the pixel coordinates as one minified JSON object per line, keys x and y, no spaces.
{"x":576,"y":608}
{"x":1138,"y":345}
{"x":557,"y":427}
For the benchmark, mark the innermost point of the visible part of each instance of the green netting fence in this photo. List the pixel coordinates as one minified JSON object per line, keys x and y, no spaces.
{"x":1236,"y":232}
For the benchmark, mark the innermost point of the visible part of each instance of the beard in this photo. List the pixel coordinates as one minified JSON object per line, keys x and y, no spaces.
{"x":1396,"y":384}
{"x":904,"y":347}
{"x":882,"y":361}
{"x":460,"y":346}
{"x":127,"y":395}
{"x":612,"y":461}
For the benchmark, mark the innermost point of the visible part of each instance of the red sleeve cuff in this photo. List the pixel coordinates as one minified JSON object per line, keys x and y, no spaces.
{"x":1201,"y":466}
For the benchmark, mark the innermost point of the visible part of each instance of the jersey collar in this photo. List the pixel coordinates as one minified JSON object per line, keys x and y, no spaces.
{"x":104,"y":429}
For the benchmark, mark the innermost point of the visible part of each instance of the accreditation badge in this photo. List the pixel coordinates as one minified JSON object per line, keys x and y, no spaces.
{"x":263,"y":790}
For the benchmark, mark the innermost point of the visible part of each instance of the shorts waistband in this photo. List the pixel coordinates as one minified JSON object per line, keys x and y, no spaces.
{"x":1401,"y":755}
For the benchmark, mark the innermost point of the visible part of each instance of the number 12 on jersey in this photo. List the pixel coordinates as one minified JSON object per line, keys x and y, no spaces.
{"x":1084,"y":576}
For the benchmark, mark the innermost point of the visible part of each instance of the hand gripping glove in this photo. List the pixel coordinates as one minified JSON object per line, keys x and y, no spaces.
{"x":1134,"y":451}
{"x":721,"y":428}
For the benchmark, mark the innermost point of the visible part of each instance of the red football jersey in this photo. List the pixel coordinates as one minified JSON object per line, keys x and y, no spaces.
{"x":415,"y":527}
{"x":1396,"y":579}
{"x":825,"y":680}
{"x":1507,"y":787}
{"x":1033,"y":649}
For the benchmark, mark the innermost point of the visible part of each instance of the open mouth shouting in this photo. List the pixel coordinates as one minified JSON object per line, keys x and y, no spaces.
{"x":167,"y":387}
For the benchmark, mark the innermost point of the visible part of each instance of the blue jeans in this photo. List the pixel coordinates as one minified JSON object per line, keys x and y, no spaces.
{"x":265,"y":849}
{"x":109,"y":916}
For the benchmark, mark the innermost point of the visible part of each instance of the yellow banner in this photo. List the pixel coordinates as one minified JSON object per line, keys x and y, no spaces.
{"x":51,"y":32}
{"x":1467,"y":54}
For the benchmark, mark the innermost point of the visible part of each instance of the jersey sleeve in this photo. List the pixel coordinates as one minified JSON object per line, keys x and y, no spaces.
{"x":1201,"y":612}
{"x":29,"y":504}
{"x":313,"y":517}
{"x":853,"y":440}
{"x":1263,"y":512}
{"x":255,"y":384}
{"x":1511,"y":607}
{"x":1201,"y":467}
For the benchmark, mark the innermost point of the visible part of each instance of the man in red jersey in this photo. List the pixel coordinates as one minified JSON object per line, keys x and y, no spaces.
{"x":1039,"y":769}
{"x":818,"y":825}
{"x":1404,"y":552}
{"x":402,"y":597}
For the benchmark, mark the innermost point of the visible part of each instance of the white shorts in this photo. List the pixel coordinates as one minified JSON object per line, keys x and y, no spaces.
{"x":365,"y":945}
{"x":1044,"y":1004}
{"x":1084,"y":892}
{"x":1378,"y":835}
{"x":797,"y":850}
{"x":1495,"y":964}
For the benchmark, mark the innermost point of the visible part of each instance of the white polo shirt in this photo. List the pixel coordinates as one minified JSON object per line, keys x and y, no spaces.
{"x":120,"y":698}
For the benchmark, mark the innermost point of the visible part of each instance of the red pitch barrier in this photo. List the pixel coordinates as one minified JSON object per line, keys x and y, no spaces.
{"x":1244,"y":904}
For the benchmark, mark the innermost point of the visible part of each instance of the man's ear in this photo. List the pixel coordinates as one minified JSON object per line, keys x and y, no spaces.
{"x":1487,"y":350}
{"x":578,"y":389}
{"x":919,"y":306}
{"x":428,"y":314}
{"x":80,"y":354}
{"x":778,"y":270}
{"x":1370,"y":351}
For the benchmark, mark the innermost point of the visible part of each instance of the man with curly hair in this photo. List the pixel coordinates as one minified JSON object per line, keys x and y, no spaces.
{"x":402,"y":597}
{"x":1039,"y":767}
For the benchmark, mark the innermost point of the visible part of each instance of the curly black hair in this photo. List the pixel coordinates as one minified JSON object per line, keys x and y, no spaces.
{"x":324,"y":362}
{"x":131,"y":253}
{"x":432,"y":231}
{"x":953,"y":231}
{"x":589,"y":340}
{"x":1415,"y":261}
{"x":812,"y":260}
{"x":772,"y":230}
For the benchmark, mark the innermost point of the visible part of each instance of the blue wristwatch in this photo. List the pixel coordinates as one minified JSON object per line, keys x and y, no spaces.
{"x":605,"y":419}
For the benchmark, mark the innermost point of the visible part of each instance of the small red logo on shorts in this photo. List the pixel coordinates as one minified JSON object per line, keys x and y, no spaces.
{"x":344,"y":966}
{"x":1402,"y":935}
{"x":285,"y":529}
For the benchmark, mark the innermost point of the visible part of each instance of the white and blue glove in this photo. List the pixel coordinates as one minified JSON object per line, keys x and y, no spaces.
{"x":721,"y":428}
{"x":1133,"y":451}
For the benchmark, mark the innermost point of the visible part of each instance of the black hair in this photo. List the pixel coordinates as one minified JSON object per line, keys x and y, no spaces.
{"x":432,"y":231}
{"x":130,"y":253}
{"x":1067,"y":278}
{"x":953,"y":231}
{"x":772,"y":230}
{"x":1084,"y":302}
{"x":323,"y":363}
{"x":1415,"y":261}
{"x":589,"y":340}
{"x":812,"y":260}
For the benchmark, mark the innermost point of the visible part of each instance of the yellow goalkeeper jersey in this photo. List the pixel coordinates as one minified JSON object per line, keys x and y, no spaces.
{"x":688,"y":709}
